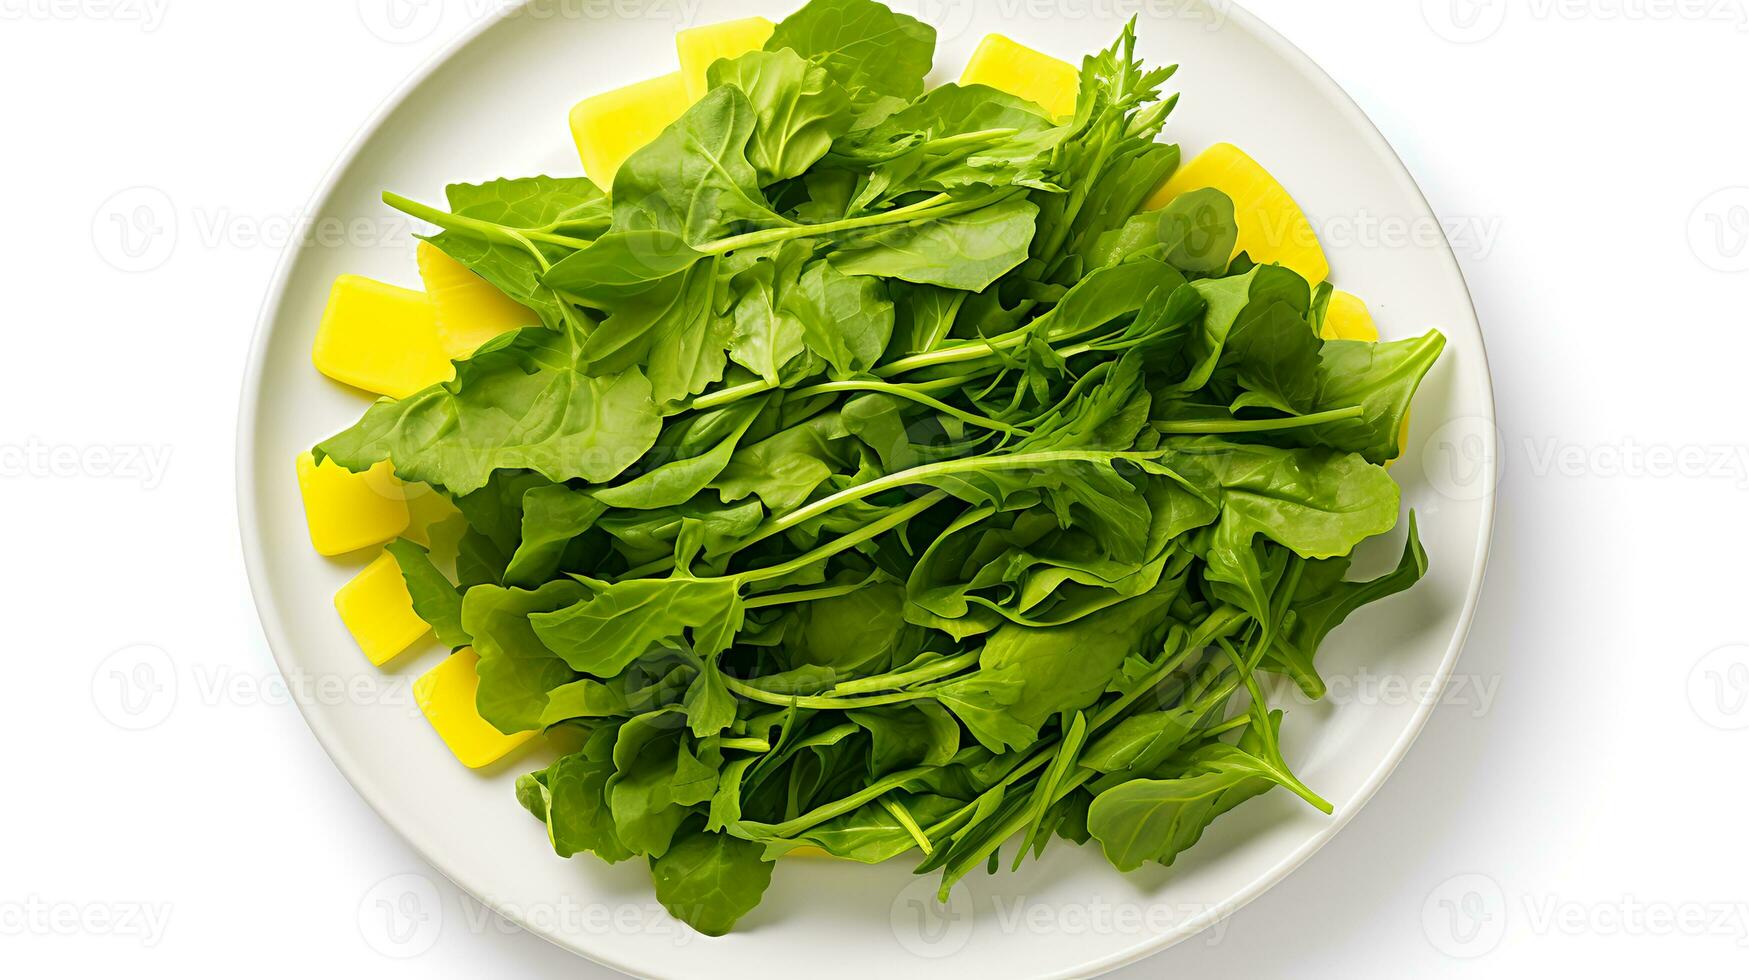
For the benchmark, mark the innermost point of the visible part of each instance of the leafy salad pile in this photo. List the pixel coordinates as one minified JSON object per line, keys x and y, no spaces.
{"x":880,"y":480}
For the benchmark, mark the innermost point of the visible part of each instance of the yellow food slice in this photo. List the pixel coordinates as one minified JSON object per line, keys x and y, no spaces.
{"x":1020,"y":71}
{"x":701,"y":47}
{"x":381,"y":338}
{"x":1348,"y":319}
{"x":347,"y":511}
{"x":375,"y":606}
{"x":613,"y":125}
{"x":469,"y":310}
{"x":1272,"y":228}
{"x":446,"y":695}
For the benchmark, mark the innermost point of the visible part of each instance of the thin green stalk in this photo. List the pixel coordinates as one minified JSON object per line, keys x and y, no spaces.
{"x":908,"y":822}
{"x":809,"y":595}
{"x":839,"y":545}
{"x":910,"y":393}
{"x":455,"y":222}
{"x":819,"y":702}
{"x":899,"y":680}
{"x":1237,"y":426}
{"x":939,"y":206}
{"x":836,"y":546}
{"x":837,"y":808}
{"x":925,"y":473}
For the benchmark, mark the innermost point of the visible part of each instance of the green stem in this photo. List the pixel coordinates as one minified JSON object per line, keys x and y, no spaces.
{"x":923,"y":474}
{"x":910,"y":393}
{"x":734,"y":393}
{"x":957,"y":354}
{"x":562,"y":240}
{"x":810,"y":595}
{"x":837,"y":808}
{"x":745,"y":744}
{"x":981,"y":136}
{"x":900,"y":680}
{"x":813,"y":702}
{"x":908,"y":822}
{"x":939,"y":206}
{"x":1225,"y":426}
{"x":728,"y":396}
{"x":455,"y":222}
{"x":838,"y":545}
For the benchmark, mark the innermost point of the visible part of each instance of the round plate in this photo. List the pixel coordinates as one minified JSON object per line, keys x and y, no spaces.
{"x":495,"y":105}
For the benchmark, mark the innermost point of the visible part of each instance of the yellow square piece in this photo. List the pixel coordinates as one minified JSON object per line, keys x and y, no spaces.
{"x":613,"y":125}
{"x":1020,"y":71}
{"x":1272,"y":228}
{"x":381,"y":338}
{"x":446,"y":695}
{"x":701,"y":47}
{"x":1348,"y":319}
{"x":375,"y":606}
{"x":347,"y":511}
{"x":469,"y":310}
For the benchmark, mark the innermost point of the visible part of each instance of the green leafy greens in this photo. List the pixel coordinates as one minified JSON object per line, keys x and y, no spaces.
{"x":879,"y":480}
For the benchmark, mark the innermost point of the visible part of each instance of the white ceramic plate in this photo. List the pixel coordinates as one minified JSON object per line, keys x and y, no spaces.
{"x":495,"y":105}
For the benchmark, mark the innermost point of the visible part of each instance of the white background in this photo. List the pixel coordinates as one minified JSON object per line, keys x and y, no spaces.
{"x":1578,"y":804}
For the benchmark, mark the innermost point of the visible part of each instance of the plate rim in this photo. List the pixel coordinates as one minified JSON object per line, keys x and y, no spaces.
{"x":273,"y":629}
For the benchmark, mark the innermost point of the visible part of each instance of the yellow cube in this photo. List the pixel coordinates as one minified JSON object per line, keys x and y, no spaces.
{"x":446,"y":695}
{"x":381,"y":338}
{"x":1024,"y":73}
{"x":613,"y":125}
{"x":375,"y":606}
{"x":1272,"y":228}
{"x":701,"y":47}
{"x":347,"y":511}
{"x":469,"y":310}
{"x":1348,"y":319}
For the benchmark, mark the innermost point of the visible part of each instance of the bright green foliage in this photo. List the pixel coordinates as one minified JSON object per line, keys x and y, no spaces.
{"x":881,"y":481}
